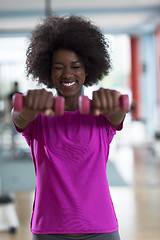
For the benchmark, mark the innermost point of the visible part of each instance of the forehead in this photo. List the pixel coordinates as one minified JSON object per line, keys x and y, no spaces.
{"x":62,"y":55}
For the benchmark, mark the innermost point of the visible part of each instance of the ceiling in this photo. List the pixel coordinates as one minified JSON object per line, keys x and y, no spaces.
{"x":112,"y":16}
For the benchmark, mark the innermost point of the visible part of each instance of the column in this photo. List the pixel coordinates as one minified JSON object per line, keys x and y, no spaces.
{"x":135,"y":76}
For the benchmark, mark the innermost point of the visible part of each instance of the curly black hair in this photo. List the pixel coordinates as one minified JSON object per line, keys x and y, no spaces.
{"x":74,"y":33}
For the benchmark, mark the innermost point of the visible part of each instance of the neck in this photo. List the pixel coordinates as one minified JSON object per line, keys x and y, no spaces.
{"x":71,"y":103}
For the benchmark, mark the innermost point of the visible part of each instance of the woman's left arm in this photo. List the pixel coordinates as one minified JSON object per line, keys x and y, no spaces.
{"x":116,"y":118}
{"x":105,"y":102}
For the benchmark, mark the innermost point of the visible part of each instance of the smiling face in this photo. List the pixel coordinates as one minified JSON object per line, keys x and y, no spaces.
{"x":68,"y":73}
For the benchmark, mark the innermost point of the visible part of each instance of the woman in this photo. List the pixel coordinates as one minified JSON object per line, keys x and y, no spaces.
{"x":70,"y":152}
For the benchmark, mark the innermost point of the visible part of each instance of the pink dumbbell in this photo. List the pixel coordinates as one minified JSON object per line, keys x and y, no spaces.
{"x":18,"y":104}
{"x":85,"y":104}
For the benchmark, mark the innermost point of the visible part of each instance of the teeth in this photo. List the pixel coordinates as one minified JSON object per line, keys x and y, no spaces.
{"x":69,"y":84}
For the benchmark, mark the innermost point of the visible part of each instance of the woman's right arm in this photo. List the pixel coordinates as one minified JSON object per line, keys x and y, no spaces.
{"x":22,"y":119}
{"x":35,"y":101}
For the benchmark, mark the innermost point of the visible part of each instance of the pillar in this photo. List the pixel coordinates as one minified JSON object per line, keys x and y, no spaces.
{"x":135,"y":76}
{"x":158,"y":63}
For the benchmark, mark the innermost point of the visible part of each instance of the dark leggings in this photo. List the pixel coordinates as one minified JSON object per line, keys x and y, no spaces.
{"x":97,"y":236}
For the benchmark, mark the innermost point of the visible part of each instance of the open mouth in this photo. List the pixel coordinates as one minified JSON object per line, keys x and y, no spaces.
{"x":70,"y":84}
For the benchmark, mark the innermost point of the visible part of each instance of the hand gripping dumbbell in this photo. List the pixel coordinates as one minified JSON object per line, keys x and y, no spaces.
{"x":19,"y":103}
{"x":59,"y":104}
{"x":85,"y":104}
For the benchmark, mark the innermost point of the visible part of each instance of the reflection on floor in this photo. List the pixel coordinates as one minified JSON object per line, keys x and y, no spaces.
{"x":136,"y":158}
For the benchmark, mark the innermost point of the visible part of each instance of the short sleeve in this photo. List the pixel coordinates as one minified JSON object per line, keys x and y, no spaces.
{"x":111,"y":131}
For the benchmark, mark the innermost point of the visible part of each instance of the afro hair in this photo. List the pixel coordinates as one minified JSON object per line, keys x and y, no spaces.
{"x":74,"y":33}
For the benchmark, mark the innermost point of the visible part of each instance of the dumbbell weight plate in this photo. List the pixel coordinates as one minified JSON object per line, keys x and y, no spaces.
{"x":18,"y":102}
{"x":124,"y":103}
{"x":59,"y":105}
{"x":84,"y":104}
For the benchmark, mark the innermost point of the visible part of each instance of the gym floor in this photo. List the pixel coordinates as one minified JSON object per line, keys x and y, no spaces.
{"x":137,"y":203}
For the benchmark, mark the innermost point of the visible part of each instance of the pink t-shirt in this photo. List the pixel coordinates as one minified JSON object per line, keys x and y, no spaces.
{"x":70,"y":153}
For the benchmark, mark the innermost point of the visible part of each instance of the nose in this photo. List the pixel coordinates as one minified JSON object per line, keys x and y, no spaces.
{"x":67,"y":73}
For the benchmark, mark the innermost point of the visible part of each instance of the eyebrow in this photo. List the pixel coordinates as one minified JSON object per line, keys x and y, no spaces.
{"x":74,"y":62}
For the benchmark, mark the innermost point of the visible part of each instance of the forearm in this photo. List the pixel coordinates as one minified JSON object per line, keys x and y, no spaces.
{"x":22,"y":119}
{"x":116,"y":118}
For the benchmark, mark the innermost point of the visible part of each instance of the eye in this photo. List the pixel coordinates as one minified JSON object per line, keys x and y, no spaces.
{"x":76,"y":67}
{"x":57,"y":68}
